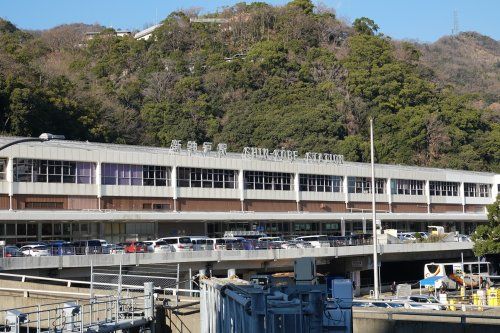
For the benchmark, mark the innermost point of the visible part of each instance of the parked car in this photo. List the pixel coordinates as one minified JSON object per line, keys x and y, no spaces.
{"x":134,"y":247}
{"x":424,"y":303}
{"x":387,"y":305}
{"x":92,"y":246}
{"x":200,"y":243}
{"x":179,"y":243}
{"x":218,"y":243}
{"x":289,"y":245}
{"x":362,"y":304}
{"x":115,"y":249}
{"x":462,"y":238}
{"x":423,"y":234}
{"x":162,"y":247}
{"x":316,"y":241}
{"x":11,"y":251}
{"x":60,"y":248}
{"x":407,"y":236}
{"x":35,"y":250}
{"x":150,"y":245}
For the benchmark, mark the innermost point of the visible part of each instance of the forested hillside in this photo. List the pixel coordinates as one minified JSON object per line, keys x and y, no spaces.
{"x":292,"y":76}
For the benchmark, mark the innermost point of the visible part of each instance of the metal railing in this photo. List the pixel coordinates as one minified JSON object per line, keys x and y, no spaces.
{"x":69,"y":283}
{"x":463,"y":316}
{"x":334,"y":241}
{"x":115,"y":312}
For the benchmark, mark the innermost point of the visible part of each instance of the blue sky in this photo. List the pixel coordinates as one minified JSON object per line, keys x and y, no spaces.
{"x":424,"y":20}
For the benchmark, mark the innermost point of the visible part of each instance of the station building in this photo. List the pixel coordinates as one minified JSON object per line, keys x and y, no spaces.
{"x":72,"y":190}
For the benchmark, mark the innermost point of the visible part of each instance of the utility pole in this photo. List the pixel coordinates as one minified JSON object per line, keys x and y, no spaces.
{"x":374,"y":217}
{"x":456,"y":28}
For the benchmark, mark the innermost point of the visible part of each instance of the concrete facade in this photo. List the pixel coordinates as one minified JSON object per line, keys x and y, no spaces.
{"x":294,"y":203}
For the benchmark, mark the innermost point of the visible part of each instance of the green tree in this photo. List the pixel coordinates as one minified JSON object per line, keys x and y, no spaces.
{"x":487,"y":237}
{"x":305,"y":5}
{"x":365,"y":26}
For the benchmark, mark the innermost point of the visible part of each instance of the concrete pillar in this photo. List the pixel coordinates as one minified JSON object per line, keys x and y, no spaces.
{"x":231,"y":272}
{"x":98,"y":173}
{"x":39,"y":231}
{"x":149,"y":300}
{"x":241,"y":188}
{"x":356,"y":278}
{"x":342,"y":227}
{"x":428,"y":195}
{"x":462,"y":195}
{"x":345,"y":189}
{"x":296,"y":187}
{"x":389,"y":193}
{"x":364,"y":225}
{"x":174,"y":186}
{"x":10,"y":180}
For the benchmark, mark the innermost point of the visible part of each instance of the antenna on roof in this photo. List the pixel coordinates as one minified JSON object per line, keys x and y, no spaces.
{"x":456,"y":28}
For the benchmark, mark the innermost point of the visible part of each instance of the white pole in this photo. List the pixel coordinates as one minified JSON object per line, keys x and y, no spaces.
{"x":463,"y":271}
{"x":91,"y":280}
{"x":374,"y":217}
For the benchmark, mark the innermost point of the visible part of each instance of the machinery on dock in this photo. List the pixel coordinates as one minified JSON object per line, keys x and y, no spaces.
{"x":234,"y":305}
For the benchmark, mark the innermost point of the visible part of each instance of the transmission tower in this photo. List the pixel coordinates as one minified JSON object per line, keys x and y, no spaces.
{"x":456,"y":28}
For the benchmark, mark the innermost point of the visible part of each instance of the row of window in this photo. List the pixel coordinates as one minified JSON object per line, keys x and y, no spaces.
{"x":407,"y":187}
{"x":448,"y":189}
{"x":53,"y":171}
{"x":320,"y":183}
{"x":364,"y":185}
{"x":139,"y":175}
{"x":259,"y":180}
{"x":50,"y":171}
{"x":477,"y":190}
{"x":206,"y":178}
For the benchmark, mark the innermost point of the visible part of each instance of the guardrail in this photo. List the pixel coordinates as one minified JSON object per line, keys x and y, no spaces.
{"x":463,"y":316}
{"x":99,"y":314}
{"x":70,"y":283}
{"x":336,"y":241}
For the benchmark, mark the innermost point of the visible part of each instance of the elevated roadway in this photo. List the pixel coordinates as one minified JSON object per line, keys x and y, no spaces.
{"x":244,"y":259}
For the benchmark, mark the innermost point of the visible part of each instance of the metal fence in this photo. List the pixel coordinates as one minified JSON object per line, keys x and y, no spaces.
{"x":253,"y":245}
{"x":114,"y":313}
{"x":123,"y":280}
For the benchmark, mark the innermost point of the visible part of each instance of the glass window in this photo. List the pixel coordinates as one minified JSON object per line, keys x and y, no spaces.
{"x":259,"y":180}
{"x":364,"y":184}
{"x":69,"y":172}
{"x":407,"y":186}
{"x":206,"y":178}
{"x":23,"y":170}
{"x":32,"y":229}
{"x":47,"y":229}
{"x":10,"y":229}
{"x":477,"y":190}
{"x":137,"y":175}
{"x":3,"y":168}
{"x":21,"y":229}
{"x":44,"y":171}
{"x":320,"y":183}
{"x":54,"y":171}
{"x":85,"y":172}
{"x":437,"y":188}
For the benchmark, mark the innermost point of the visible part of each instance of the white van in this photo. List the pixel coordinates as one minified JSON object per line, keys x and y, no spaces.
{"x":200,"y":243}
{"x":226,"y":243}
{"x":178,"y":244}
{"x":315,"y":240}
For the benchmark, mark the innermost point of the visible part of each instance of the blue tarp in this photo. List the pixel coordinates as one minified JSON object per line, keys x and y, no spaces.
{"x":430,"y":281}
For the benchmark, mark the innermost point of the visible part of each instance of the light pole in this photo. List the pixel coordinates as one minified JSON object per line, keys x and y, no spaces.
{"x":374,"y":217}
{"x":42,"y":138}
